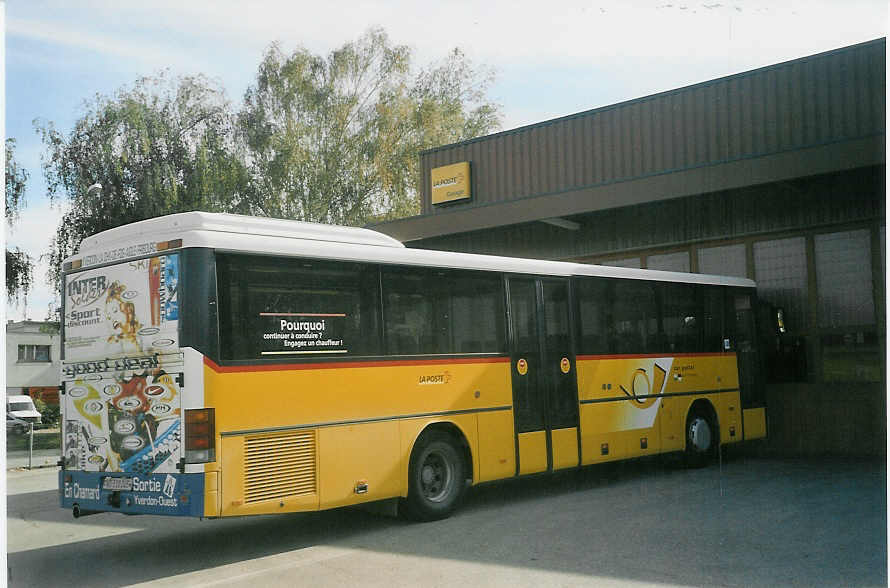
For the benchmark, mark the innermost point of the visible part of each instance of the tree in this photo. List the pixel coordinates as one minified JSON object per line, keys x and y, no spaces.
{"x":162,"y":146}
{"x":19,"y":266}
{"x":335,"y":139}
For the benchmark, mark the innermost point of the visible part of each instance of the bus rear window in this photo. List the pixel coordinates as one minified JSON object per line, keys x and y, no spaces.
{"x":125,"y":309}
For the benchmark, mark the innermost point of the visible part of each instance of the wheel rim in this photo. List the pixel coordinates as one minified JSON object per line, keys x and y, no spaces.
{"x":700,"y":434}
{"x":436,"y":477}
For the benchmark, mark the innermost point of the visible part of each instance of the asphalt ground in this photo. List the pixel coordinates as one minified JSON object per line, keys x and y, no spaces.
{"x":39,"y":458}
{"x":751,"y":521}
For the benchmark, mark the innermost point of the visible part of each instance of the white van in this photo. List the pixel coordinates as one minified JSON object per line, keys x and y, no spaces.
{"x":22,"y":408}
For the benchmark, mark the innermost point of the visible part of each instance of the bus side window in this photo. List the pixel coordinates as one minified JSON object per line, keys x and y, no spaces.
{"x":713,"y":312}
{"x":594,"y":310}
{"x":265,"y":301}
{"x":680,"y":317}
{"x":435,"y":311}
{"x":634,"y":318}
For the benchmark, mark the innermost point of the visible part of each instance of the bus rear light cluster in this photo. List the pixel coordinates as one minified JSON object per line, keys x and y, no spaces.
{"x":200,"y":433}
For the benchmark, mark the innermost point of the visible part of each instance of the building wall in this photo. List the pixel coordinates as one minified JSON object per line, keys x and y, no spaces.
{"x":816,"y":247}
{"x":28,"y":374}
{"x":824,"y":200}
{"x":777,"y":174}
{"x":832,"y":97}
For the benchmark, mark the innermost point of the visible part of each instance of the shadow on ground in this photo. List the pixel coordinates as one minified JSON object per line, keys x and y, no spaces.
{"x":750,"y":521}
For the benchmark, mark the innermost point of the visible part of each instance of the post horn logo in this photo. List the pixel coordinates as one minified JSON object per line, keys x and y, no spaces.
{"x":643,"y":391}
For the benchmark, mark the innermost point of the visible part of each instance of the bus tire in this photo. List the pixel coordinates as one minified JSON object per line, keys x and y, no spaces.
{"x":701,"y":437}
{"x":436,"y":478}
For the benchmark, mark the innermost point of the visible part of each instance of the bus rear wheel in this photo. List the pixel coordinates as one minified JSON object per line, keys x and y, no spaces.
{"x":436,"y":478}
{"x":701,"y":438}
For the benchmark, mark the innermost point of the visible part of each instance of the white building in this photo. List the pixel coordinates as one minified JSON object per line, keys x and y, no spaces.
{"x":32,"y":359}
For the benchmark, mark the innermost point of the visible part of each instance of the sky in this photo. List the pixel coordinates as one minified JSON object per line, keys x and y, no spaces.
{"x":550,"y":58}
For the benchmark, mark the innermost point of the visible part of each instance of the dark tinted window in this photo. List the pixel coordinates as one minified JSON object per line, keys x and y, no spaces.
{"x":34,"y":353}
{"x":594,"y":314}
{"x":286,"y":308}
{"x":616,"y":316}
{"x":671,"y":262}
{"x":557,"y":344}
{"x":633,"y":322}
{"x":713,"y":314}
{"x":680,"y":319}
{"x":725,"y":260}
{"x":843,"y":273}
{"x":780,"y":268}
{"x":429,"y":311}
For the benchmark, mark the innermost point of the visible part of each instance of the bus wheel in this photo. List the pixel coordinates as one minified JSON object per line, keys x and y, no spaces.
{"x":701,"y":438}
{"x":435,"y":478}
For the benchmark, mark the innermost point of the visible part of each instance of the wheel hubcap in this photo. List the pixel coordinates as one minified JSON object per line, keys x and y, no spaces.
{"x":700,"y":434}
{"x":436,"y":477}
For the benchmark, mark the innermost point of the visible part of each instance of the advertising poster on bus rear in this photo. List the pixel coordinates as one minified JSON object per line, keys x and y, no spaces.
{"x":128,"y":309}
{"x":122,"y":407}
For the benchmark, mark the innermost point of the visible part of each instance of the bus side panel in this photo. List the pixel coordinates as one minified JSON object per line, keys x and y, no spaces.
{"x":253,"y":398}
{"x":359,"y":463}
{"x":565,"y":448}
{"x":755,"y":423}
{"x":599,"y":440}
{"x":634,"y":406}
{"x":212,"y":504}
{"x":712,"y":377}
{"x":213,"y":489}
{"x":363,"y":421}
{"x":532,"y":452}
{"x":620,"y":407}
{"x":497,"y":449}
{"x":269,"y":473}
{"x":729,"y":411}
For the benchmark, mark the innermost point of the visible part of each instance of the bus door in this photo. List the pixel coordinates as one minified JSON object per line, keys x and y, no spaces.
{"x":545,"y":393}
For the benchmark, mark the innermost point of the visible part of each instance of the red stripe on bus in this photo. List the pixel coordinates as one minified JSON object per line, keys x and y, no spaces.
{"x":348,"y":364}
{"x":302,"y":314}
{"x":655,"y":355}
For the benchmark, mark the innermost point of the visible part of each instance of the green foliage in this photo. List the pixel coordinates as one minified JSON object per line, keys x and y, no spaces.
{"x":51,"y":414}
{"x":330,"y":139}
{"x":39,"y":404}
{"x":19,"y":275}
{"x":159,"y":147}
{"x":335,"y":139}
{"x":43,"y":439}
{"x":19,"y":266}
{"x":16,"y":179}
{"x":50,"y":327}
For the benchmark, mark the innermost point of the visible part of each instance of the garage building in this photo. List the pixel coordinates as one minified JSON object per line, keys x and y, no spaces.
{"x":776,"y":174}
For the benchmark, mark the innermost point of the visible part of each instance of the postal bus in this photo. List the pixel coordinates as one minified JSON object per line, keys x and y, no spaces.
{"x":219,"y":365}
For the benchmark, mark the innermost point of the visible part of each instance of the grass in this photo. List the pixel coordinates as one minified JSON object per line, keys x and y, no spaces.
{"x":43,"y":439}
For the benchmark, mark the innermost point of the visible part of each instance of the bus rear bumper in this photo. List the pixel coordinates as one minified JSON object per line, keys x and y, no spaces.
{"x":159,"y":494}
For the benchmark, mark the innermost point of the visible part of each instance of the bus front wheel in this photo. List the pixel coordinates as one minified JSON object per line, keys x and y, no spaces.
{"x":435,"y":478}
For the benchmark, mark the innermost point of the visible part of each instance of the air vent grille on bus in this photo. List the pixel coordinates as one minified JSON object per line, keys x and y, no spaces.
{"x":279,"y":466}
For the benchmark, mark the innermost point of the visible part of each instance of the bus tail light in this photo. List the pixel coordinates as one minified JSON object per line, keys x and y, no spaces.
{"x":200,"y":435}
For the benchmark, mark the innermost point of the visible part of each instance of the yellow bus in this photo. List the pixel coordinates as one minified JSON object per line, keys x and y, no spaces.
{"x":219,"y":365}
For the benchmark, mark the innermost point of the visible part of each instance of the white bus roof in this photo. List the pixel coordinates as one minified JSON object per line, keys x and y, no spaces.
{"x":267,"y":236}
